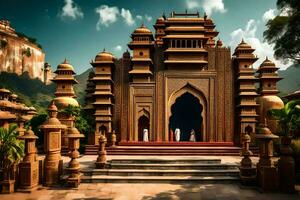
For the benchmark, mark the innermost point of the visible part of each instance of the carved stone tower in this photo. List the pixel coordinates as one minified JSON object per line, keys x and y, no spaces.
{"x":142,"y":45}
{"x":104,"y":67}
{"x":268,"y":78}
{"x":246,"y":91}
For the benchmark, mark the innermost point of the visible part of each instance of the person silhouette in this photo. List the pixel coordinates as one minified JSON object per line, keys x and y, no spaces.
{"x":177,"y":134}
{"x":145,"y":135}
{"x":192,"y":136}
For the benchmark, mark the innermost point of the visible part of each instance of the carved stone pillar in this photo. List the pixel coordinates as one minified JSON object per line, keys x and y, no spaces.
{"x":286,"y":167}
{"x":266,"y":171}
{"x":52,"y":129}
{"x":247,"y":171}
{"x":101,"y":159}
{"x":73,"y":168}
{"x":29,"y":167}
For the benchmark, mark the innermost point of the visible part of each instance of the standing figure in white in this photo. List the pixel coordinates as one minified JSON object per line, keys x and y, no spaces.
{"x":192,"y":136}
{"x":145,"y":135}
{"x":177,"y":134}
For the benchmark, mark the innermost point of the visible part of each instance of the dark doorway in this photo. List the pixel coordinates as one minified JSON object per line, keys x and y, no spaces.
{"x":103,"y":130}
{"x":186,"y":115}
{"x":143,"y":123}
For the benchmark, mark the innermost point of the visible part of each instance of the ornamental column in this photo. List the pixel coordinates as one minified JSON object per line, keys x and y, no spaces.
{"x":53,"y":163}
{"x":29,"y":167}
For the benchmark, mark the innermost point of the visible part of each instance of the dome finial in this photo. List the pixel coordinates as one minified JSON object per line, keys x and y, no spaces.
{"x":242,"y":40}
{"x":104,"y":49}
{"x":65,"y":61}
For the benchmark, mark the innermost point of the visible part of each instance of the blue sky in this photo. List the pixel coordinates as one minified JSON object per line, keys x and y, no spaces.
{"x":79,"y":29}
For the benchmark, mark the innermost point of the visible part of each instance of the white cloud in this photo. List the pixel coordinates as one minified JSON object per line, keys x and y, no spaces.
{"x":209,"y":6}
{"x":148,"y":18}
{"x":191,"y":4}
{"x":127,"y":16}
{"x":71,"y":10}
{"x":262,"y":49}
{"x":107,"y":15}
{"x":269,"y":14}
{"x":118,"y":48}
{"x":139,"y":17}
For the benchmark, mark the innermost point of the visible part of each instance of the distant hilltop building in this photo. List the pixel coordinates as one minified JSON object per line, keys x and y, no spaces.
{"x":19,"y":54}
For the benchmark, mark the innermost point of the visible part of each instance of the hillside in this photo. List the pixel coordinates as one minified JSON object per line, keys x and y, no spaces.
{"x":32,"y":92}
{"x":291,"y":80}
{"x":80,"y":87}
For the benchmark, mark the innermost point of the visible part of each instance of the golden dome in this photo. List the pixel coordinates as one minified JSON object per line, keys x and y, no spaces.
{"x":63,"y":102}
{"x":267,"y":62}
{"x":160,"y":20}
{"x":244,"y":45}
{"x":65,"y":66}
{"x":141,"y":30}
{"x":14,"y":96}
{"x":104,"y":56}
{"x":3,"y":90}
{"x":272,"y":102}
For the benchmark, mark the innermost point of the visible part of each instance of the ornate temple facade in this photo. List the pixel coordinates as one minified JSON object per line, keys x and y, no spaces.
{"x":180,"y":77}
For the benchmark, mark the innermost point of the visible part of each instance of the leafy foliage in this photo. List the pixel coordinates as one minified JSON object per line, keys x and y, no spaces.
{"x":30,"y":39}
{"x":35,"y":122}
{"x":26,"y":52}
{"x":11,"y":149}
{"x":288,"y":118}
{"x":284,"y":31}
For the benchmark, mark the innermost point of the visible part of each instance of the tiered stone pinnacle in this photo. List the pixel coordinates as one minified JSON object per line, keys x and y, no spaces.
{"x":246,"y":97}
{"x":104,"y":67}
{"x":268,"y":78}
{"x":64,"y":85}
{"x":142,"y":44}
{"x":187,"y":35}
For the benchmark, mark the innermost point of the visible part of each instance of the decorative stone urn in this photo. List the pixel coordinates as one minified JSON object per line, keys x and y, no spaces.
{"x":286,"y":166}
{"x":73,"y":168}
{"x":101,"y":159}
{"x":29,"y":167}
{"x":267,"y":173}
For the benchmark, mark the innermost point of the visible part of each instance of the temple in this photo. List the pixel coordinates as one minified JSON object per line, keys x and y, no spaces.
{"x":180,"y":77}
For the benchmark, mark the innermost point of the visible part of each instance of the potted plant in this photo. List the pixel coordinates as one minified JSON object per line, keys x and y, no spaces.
{"x":11,"y":153}
{"x":288,"y":122}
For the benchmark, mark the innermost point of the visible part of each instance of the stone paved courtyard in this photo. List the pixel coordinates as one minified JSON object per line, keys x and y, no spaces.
{"x":102,"y":191}
{"x":126,"y":191}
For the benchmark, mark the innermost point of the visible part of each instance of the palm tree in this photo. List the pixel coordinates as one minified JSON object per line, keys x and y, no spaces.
{"x":11,"y":150}
{"x":288,"y":118}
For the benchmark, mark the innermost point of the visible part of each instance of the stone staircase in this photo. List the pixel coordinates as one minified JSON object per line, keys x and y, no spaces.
{"x":167,"y":150}
{"x":162,"y":171}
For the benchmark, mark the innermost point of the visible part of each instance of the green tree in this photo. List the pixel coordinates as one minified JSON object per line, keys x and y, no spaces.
{"x":284,"y":31}
{"x":11,"y":149}
{"x":288,"y":118}
{"x":35,"y":122}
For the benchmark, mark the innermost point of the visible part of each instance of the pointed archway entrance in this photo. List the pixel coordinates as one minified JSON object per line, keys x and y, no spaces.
{"x":186,"y":116}
{"x":187,"y":110}
{"x":143,"y":123}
